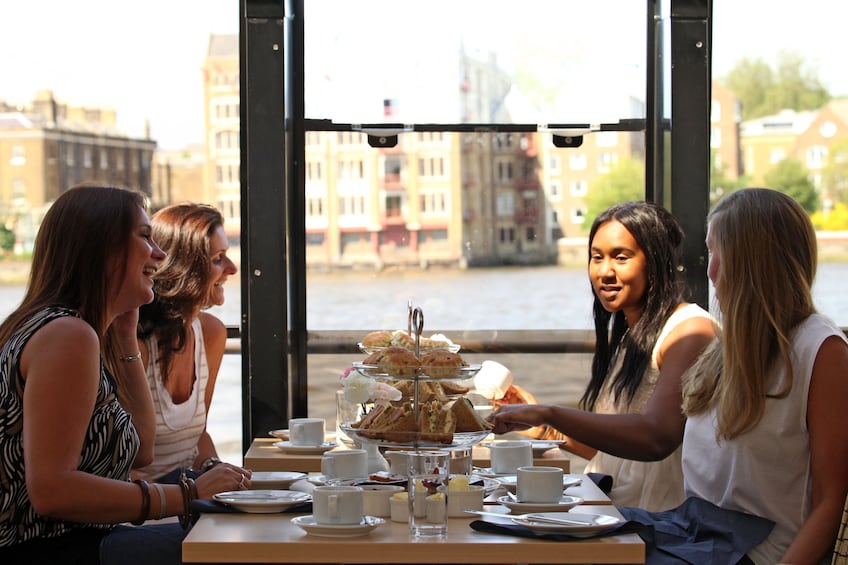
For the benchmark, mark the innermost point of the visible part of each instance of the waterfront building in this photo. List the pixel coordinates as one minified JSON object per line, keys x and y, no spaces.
{"x":47,"y":146}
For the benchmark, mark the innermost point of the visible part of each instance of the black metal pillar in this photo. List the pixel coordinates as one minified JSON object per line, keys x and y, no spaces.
{"x":263,"y":214}
{"x":691,"y":76}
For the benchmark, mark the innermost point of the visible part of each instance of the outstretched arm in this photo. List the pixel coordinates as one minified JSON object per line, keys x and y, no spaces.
{"x":651,"y":435}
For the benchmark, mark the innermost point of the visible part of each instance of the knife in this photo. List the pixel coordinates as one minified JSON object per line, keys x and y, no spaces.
{"x":535,"y":518}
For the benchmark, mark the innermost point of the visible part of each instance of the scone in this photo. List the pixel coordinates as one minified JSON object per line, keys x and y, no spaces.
{"x":394,"y":361}
{"x":381,"y":338}
{"x":442,"y":364}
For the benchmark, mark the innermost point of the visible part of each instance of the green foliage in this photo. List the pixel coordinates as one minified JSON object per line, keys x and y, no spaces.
{"x":833,"y":220}
{"x":625,"y":181}
{"x":764,"y":91}
{"x":720,"y":184}
{"x":790,"y":177}
{"x":7,"y":239}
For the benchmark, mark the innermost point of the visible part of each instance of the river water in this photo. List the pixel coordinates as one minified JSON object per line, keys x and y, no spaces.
{"x":452,"y":300}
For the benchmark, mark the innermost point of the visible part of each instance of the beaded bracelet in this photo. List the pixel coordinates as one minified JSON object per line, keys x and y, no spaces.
{"x":145,"y":502}
{"x":131,"y":358}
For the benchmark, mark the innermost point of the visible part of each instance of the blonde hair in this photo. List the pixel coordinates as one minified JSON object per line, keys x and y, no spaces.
{"x":767,"y":262}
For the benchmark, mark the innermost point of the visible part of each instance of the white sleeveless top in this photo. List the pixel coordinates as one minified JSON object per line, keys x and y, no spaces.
{"x":652,"y":485}
{"x":766,"y":471}
{"x":178,"y":426}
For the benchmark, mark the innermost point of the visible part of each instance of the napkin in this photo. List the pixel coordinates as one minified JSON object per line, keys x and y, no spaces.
{"x":213,"y":506}
{"x":492,"y":380}
{"x":604,"y":482}
{"x":697,"y":532}
{"x":525,"y":532}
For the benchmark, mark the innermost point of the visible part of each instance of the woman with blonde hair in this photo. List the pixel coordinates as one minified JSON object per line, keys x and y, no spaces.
{"x":767,"y":426}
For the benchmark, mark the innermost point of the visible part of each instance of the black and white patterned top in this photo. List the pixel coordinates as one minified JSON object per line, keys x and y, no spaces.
{"x":110,"y":446}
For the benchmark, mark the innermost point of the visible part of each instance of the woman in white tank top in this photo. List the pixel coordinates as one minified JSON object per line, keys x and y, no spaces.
{"x":630,"y":425}
{"x":182,"y":346}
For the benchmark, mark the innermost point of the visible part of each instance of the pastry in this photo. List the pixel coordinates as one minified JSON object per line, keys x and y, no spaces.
{"x":442,"y":364}
{"x":380,"y":338}
{"x":394,"y":361}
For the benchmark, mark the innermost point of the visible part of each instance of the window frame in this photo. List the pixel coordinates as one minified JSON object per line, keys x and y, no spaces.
{"x":273,"y":333}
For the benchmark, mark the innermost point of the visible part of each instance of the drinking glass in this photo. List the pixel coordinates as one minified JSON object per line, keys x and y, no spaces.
{"x":428,"y":494}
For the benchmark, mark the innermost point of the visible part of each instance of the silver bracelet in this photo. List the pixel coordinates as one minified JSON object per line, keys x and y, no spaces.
{"x":162,"y":504}
{"x":131,"y":358}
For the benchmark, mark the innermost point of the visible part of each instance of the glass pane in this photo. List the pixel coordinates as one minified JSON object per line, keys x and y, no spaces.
{"x":448,"y":61}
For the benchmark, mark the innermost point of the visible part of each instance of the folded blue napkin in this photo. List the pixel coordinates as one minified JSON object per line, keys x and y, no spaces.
{"x":604,"y":482}
{"x":697,"y":532}
{"x":211,"y":506}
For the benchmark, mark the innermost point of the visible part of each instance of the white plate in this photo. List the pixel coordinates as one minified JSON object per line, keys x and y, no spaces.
{"x":565,"y":504}
{"x":599,"y":523}
{"x":274,"y":479}
{"x":262,"y":501}
{"x":308,"y":524}
{"x":280,"y":434}
{"x":538,"y":446}
{"x":489,"y":473}
{"x":306,"y":449}
{"x":509,"y":482}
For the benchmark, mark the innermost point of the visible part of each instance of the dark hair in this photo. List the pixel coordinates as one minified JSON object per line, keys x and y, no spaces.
{"x":84,"y":232}
{"x":181,"y":284}
{"x":660,"y":237}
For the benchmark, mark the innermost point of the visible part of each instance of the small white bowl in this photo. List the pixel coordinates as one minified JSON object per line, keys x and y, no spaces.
{"x":461,"y":500}
{"x":399,"y":509}
{"x":375,"y":499}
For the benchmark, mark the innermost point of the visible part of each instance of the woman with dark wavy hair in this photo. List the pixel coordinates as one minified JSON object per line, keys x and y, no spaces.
{"x":630,"y":423}
{"x":75,"y":410}
{"x":181,"y":345}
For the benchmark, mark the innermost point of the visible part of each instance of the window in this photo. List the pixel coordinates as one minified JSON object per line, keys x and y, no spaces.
{"x":816,"y":157}
{"x":577,"y":161}
{"x":505,"y":204}
{"x":578,"y":188}
{"x":18,"y":155}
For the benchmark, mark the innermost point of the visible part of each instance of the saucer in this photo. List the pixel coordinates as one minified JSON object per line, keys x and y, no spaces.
{"x":510,"y":482}
{"x":565,"y":503}
{"x":280,"y":434}
{"x":274,"y":479}
{"x":365,"y":527}
{"x":585,"y":524}
{"x":489,"y":473}
{"x":306,"y":449}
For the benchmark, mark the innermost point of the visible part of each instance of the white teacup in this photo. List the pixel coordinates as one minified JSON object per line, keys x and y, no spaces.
{"x":375,"y":499}
{"x":345,"y":464}
{"x":337,"y":505}
{"x":508,"y":456}
{"x":306,"y":431}
{"x":398,"y":462}
{"x":539,"y":484}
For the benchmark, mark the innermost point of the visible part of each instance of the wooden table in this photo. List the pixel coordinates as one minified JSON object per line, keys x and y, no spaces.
{"x":272,"y":538}
{"x":264,"y":456}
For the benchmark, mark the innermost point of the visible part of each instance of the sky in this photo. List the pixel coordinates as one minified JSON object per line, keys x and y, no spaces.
{"x":144,"y":59}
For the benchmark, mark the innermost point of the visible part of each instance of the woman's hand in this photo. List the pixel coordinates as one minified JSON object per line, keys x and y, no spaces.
{"x":222,"y":477}
{"x":516,"y":417}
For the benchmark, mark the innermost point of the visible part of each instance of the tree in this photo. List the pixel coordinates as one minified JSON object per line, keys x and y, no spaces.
{"x":764,"y":91}
{"x":7,"y":240}
{"x":790,"y":177}
{"x":624,"y":182}
{"x":719,"y":183}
